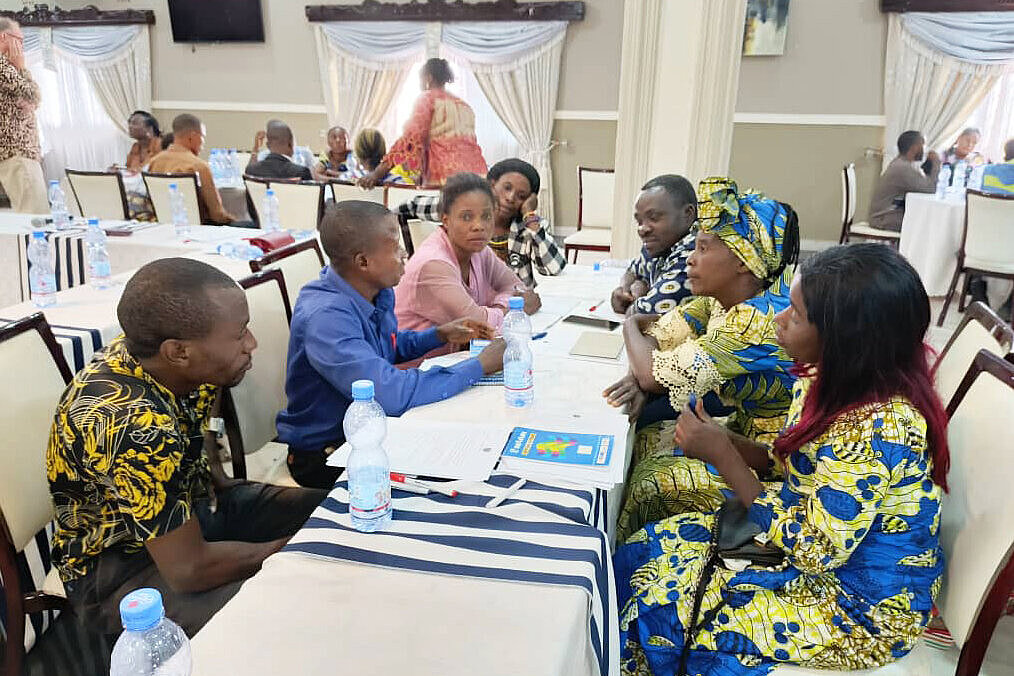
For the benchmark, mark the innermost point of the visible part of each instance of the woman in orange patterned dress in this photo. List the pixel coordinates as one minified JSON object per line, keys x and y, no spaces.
{"x":439,"y":138}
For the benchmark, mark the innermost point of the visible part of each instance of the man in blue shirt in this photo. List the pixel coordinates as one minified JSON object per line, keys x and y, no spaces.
{"x":344,"y":329}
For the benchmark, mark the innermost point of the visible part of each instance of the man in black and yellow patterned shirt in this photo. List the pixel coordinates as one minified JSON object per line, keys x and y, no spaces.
{"x":137,"y":504}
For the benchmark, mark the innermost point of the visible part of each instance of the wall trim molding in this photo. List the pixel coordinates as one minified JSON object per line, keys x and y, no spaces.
{"x":232,"y":106}
{"x":604,"y":115}
{"x":833,"y":120}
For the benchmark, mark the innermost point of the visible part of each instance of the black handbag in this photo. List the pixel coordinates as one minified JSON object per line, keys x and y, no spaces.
{"x":737,"y":537}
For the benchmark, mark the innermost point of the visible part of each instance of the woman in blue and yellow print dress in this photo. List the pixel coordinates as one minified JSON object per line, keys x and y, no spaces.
{"x":857,"y":515}
{"x":722,"y":340}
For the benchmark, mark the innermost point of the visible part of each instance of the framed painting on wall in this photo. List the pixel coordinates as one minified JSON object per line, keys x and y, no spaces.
{"x":766,"y":22}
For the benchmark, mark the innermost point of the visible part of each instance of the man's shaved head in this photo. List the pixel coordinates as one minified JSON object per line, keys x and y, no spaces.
{"x":351,"y":227}
{"x":168,"y":299}
{"x":278,"y":132}
{"x":185,"y":123}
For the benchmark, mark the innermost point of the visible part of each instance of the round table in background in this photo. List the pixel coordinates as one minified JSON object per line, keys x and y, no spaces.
{"x":931,"y":238}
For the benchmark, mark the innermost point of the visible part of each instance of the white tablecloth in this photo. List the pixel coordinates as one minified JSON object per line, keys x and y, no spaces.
{"x":931,"y":237}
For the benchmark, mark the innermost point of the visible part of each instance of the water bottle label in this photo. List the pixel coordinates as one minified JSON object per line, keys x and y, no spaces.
{"x":517,"y":376}
{"x":369,"y":500}
{"x":43,"y":283}
{"x":99,"y":269}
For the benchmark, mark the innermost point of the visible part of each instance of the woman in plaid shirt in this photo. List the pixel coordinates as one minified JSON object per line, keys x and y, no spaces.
{"x":520,"y":236}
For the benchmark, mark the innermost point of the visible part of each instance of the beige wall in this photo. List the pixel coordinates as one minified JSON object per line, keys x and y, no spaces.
{"x":590,"y":143}
{"x":833,"y":65}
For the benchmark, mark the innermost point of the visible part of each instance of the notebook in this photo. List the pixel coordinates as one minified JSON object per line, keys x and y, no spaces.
{"x":597,"y":344}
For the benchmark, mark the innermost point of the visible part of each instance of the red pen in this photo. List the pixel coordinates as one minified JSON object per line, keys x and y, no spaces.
{"x":595,"y":307}
{"x":412,"y":481}
{"x":394,"y":341}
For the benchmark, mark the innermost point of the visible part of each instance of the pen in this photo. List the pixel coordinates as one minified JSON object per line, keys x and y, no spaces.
{"x":402,"y":486}
{"x":595,"y":307}
{"x":692,"y":402}
{"x":508,"y":492}
{"x":540,"y":334}
{"x":412,"y":481}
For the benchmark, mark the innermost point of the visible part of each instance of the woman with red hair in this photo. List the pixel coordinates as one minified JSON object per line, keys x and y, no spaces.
{"x":841,"y":560}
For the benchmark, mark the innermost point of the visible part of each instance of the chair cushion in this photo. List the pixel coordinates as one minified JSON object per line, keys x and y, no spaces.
{"x":916,"y":663}
{"x":589,"y":237}
{"x":1002,"y":267}
{"x":864,"y":230}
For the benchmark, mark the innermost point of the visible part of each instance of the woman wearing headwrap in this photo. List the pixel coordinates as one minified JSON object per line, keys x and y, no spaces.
{"x":722,"y":341}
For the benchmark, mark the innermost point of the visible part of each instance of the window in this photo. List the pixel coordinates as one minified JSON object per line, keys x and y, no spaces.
{"x":494,"y":138}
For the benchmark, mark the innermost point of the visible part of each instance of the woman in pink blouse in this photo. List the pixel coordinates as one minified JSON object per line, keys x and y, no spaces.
{"x":454,"y":273}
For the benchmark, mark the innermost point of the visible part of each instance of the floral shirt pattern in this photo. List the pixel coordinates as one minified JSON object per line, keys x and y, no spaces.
{"x":665,"y":275}
{"x":125,"y":460}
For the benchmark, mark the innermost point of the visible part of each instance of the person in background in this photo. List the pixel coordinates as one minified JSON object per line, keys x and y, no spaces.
{"x":136,"y":502}
{"x":454,"y":273}
{"x":277,"y":163}
{"x":964,"y":150}
{"x":20,"y":170}
{"x":903,"y":175}
{"x":344,"y":329}
{"x":720,"y":341}
{"x":301,"y":155}
{"x":656,"y":281}
{"x":369,"y":149}
{"x":167,"y":140}
{"x":999,"y":178}
{"x":338,"y":161}
{"x":855,"y":521}
{"x":439,"y":138}
{"x":521,"y":237}
{"x":182,"y":156}
{"x":143,"y":128}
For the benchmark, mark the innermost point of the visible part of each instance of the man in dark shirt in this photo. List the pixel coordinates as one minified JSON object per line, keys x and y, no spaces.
{"x":137,"y":504}
{"x":281,"y":146}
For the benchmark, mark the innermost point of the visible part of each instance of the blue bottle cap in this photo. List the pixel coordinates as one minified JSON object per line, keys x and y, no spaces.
{"x":141,"y":609}
{"x":362,"y":390}
{"x":270,"y":192}
{"x":38,"y":234}
{"x":173,"y":186}
{"x":596,"y":266}
{"x":54,"y":182}
{"x":516,"y":303}
{"x":93,"y":221}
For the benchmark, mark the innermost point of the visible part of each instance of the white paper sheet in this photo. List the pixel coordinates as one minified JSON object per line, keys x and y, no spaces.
{"x":438,"y":449}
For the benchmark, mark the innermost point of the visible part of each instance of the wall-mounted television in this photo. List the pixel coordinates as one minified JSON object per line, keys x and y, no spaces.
{"x":216,"y":20}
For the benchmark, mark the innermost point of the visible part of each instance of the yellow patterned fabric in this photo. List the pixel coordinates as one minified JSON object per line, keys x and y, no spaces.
{"x":125,"y":460}
{"x":857,"y":516}
{"x":750,"y":225}
{"x":704,"y":348}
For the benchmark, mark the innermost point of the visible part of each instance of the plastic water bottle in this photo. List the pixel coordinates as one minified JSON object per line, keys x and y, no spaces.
{"x":41,"y":278}
{"x":58,"y":206}
{"x":365,"y":427}
{"x":269,"y":211}
{"x":943,"y":180}
{"x":99,"y":272}
{"x":151,"y":644}
{"x":960,"y":175}
{"x":975,"y":180}
{"x":179,"y":211}
{"x":518,"y":384}
{"x":235,"y":171}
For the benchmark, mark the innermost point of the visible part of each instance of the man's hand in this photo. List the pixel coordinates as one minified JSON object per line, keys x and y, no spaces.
{"x":259,"y":141}
{"x":626,"y":393}
{"x":621,"y":299}
{"x":639,"y":288}
{"x":532,"y":301}
{"x":701,"y":437}
{"x":491,"y":356}
{"x":464,"y":330}
{"x":16,"y":54}
{"x":933,"y":158}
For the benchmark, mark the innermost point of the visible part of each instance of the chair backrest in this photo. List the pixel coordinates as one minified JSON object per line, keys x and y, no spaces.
{"x":349,"y":191}
{"x":419,"y":232}
{"x":300,"y":263}
{"x":396,"y":194}
{"x":28,"y":354}
{"x":595,"y":198}
{"x":850,"y":174}
{"x":980,"y":329}
{"x":243,"y":159}
{"x":99,"y":194}
{"x":977,"y":512}
{"x":300,"y":205}
{"x":258,"y":398}
{"x":158,"y":192}
{"x":256,"y":189}
{"x":989,"y":231}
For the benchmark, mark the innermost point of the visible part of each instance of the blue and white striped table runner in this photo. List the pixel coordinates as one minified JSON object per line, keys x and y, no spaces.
{"x":542,"y":534}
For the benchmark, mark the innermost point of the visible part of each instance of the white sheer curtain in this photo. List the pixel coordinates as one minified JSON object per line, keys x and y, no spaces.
{"x":91,"y":79}
{"x":362,"y":67}
{"x":927,"y":87}
{"x":995,"y":119}
{"x":517,"y":65}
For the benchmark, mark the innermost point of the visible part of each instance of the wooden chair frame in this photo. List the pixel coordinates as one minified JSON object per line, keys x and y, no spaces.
{"x":180,"y":176}
{"x":119,"y":183}
{"x":849,"y":211}
{"x":580,"y":213}
{"x":973,"y":652}
{"x":961,"y":269}
{"x":237,"y":450}
{"x":990,"y":321}
{"x":19,"y":603}
{"x":258,"y":264}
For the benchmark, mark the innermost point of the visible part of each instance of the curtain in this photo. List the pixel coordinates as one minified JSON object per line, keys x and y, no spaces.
{"x":517,"y":65}
{"x":927,"y":88}
{"x":995,"y":119}
{"x":975,"y":37}
{"x":362,"y":67}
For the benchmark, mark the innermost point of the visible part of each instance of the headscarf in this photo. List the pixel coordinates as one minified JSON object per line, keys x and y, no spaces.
{"x":749,"y":224}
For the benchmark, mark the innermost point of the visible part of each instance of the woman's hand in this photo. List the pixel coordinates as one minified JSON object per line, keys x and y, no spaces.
{"x":369,"y":181}
{"x":641,"y":321}
{"x":627,"y":394}
{"x":701,"y":437}
{"x":532,"y":301}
